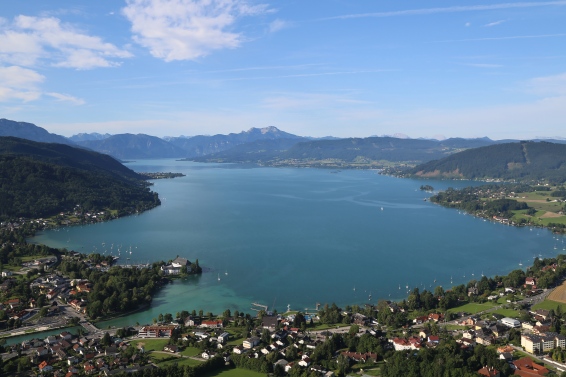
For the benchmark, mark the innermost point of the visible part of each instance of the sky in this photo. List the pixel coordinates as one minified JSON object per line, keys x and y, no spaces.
{"x":344,"y":68}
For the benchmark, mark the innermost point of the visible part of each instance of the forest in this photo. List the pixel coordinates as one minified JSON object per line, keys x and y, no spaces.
{"x":40,"y":180}
{"x":520,"y":162}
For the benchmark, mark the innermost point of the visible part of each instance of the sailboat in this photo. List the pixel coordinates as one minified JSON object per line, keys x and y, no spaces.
{"x":520,"y":264}
{"x":218,"y":277}
{"x":226,"y":273}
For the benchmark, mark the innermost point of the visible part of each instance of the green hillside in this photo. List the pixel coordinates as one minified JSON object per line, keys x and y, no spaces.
{"x":523,"y":161}
{"x":368,"y":152}
{"x":43,"y":179}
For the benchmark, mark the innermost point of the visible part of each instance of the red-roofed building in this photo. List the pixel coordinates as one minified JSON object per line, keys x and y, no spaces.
{"x":44,"y":367}
{"x":211,"y":324}
{"x":530,"y":281}
{"x":527,"y":368}
{"x":435,"y":317}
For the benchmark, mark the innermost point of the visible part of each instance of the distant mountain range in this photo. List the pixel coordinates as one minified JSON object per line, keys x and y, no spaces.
{"x":521,"y":161}
{"x":86,"y":137}
{"x":266,"y":146}
{"x":30,"y":131}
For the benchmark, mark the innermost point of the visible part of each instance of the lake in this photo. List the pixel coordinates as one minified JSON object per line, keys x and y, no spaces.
{"x":287,"y":237}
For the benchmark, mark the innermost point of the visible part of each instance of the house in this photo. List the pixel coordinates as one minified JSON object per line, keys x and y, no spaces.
{"x":506,"y":356}
{"x":420,"y":320}
{"x":360,"y":319}
{"x":51,"y":339}
{"x":192,"y":321}
{"x":251,"y":342}
{"x":66,"y":335}
{"x":208,"y":354}
{"x":269,"y":322}
{"x":44,"y":367}
{"x":212,"y":324}
{"x":433,"y":339}
{"x":223,"y":338}
{"x":89,"y":368}
{"x":530,"y":281}
{"x":543,"y":313}
{"x":360,"y":357}
{"x":400,"y":344}
{"x":41,"y":351}
{"x":305,"y":362}
{"x":436,"y":317}
{"x":175,"y":267}
{"x":488,"y":372}
{"x":157,"y":331}
{"x":171,"y":348}
{"x":525,"y":364}
{"x":238,"y":350}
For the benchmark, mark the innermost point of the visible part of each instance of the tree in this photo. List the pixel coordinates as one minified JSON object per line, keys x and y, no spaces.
{"x":43,"y":311}
{"x":106,"y":339}
{"x":160,"y":317}
{"x":265,"y":336}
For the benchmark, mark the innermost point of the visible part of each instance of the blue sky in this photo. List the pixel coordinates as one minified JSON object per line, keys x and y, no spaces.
{"x":317,"y":67}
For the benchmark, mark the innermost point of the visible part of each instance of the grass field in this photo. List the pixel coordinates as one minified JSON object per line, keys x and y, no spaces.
{"x":511,"y":313}
{"x":472,"y":307}
{"x":179,"y":361}
{"x":151,"y":344}
{"x":235,"y":373}
{"x":191,"y":351}
{"x":548,"y":304}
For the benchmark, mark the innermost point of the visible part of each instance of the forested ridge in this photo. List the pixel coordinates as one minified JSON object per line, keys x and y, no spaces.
{"x":43,"y":179}
{"x":523,"y":161}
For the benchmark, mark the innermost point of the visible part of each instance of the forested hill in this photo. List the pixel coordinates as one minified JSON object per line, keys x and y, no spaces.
{"x":42,"y":179}
{"x":523,"y":161}
{"x":348,"y":151}
{"x":30,"y":131}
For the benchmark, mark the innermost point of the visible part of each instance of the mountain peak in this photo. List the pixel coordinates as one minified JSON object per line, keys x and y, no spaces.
{"x":264,"y":130}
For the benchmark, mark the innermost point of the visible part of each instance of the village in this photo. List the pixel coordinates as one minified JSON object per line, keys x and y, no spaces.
{"x":333,"y":342}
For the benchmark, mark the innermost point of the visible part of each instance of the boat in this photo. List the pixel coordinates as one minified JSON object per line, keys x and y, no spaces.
{"x":218,"y":277}
{"x":226,"y":273}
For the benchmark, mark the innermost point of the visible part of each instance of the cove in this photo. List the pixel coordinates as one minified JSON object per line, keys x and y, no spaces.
{"x":297,"y":237}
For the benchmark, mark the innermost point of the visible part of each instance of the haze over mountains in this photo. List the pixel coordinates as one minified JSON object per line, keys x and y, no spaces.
{"x":266,"y":146}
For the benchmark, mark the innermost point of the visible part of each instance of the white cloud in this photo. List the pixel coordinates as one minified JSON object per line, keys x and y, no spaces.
{"x":22,"y":84}
{"x":28,"y":40}
{"x":278,"y":25}
{"x":454,"y":9}
{"x":187,"y":29}
{"x":548,"y":86}
{"x":468,"y":24}
{"x":502,"y":38}
{"x":17,"y":83}
{"x":66,"y":98}
{"x":494,"y":23}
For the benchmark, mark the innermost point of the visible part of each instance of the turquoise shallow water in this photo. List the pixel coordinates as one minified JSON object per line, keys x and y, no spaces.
{"x":284,"y":236}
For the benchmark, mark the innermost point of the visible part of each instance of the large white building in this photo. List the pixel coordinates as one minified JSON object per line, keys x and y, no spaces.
{"x":510,"y":322}
{"x":543,"y":342}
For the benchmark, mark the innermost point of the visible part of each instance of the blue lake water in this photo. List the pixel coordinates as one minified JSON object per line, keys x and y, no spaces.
{"x":284,"y":236}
